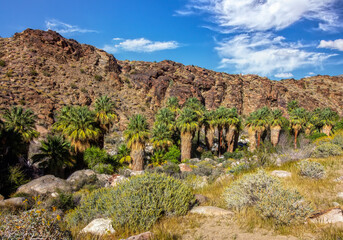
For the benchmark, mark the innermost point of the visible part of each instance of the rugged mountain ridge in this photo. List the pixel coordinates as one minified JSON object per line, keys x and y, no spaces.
{"x":44,"y":71}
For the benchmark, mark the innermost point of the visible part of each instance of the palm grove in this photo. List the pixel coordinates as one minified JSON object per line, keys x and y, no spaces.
{"x":179,"y":132}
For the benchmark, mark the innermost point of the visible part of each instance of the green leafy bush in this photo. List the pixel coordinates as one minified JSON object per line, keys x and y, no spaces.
{"x":311,"y":169}
{"x":207,"y":154}
{"x":338,"y":140}
{"x":316,"y":135}
{"x":136,"y":204}
{"x":339,"y":125}
{"x":266,"y":194}
{"x":173,"y":154}
{"x":17,"y":176}
{"x":326,"y":150}
{"x":63,"y":201}
{"x":100,"y":161}
{"x":203,"y":168}
{"x":235,"y":155}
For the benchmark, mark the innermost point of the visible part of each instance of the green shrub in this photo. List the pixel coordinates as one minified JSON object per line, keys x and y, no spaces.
{"x":239,"y":168}
{"x":100,"y":161}
{"x":339,"y":125}
{"x":203,"y":168}
{"x":316,"y":135}
{"x":64,"y":201}
{"x":311,"y":169}
{"x":17,"y":176}
{"x":171,"y":168}
{"x":235,"y":155}
{"x":326,"y":150}
{"x":157,"y":158}
{"x":2,"y":63}
{"x":136,"y":204}
{"x":207,"y":154}
{"x":98,"y":78}
{"x":266,"y":194}
{"x":173,"y":155}
{"x":338,"y":140}
{"x":283,"y":206}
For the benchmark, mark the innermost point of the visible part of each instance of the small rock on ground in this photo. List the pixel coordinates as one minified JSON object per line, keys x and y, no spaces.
{"x":185,"y":168}
{"x":16,"y":202}
{"x":200,"y":198}
{"x":281,"y":174}
{"x":99,"y":226}
{"x":142,"y":236}
{"x":340,"y":195}
{"x":211,"y":211}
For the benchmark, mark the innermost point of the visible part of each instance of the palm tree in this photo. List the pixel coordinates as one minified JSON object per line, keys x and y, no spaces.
{"x":210,"y":125}
{"x":162,"y":137}
{"x":54,"y":155}
{"x":221,"y":120}
{"x":21,"y":121}
{"x":194,"y":104}
{"x":173,"y":104}
{"x":292,"y":105}
{"x":105,"y":116}
{"x":259,"y":121}
{"x":276,"y":122}
{"x":78,"y":125}
{"x":187,"y":123}
{"x":136,"y":135}
{"x":297,"y":121}
{"x":233,"y":124}
{"x":166,"y":116}
{"x":328,"y":118}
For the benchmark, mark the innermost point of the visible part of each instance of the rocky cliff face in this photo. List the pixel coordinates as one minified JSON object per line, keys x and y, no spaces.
{"x":44,"y":71}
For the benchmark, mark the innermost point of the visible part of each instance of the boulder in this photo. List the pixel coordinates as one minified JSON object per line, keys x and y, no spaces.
{"x":1,"y":197}
{"x":281,"y":174}
{"x":45,"y":185}
{"x":142,"y":236}
{"x":200,"y":198}
{"x":340,"y":195}
{"x":116,"y":179}
{"x":185,"y":168}
{"x":211,"y":211}
{"x":135,"y":173}
{"x":16,"y":202}
{"x":332,"y":216}
{"x":99,"y":226}
{"x":82,"y":177}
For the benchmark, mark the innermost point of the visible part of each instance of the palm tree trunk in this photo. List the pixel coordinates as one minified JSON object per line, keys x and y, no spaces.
{"x":199,"y":130}
{"x":327,"y":129}
{"x":274,"y":134}
{"x":220,"y":133}
{"x":210,"y":137}
{"x":230,"y":139}
{"x":296,"y":131}
{"x":259,"y":133}
{"x":252,"y":139}
{"x":186,"y":145}
{"x":137,"y":156}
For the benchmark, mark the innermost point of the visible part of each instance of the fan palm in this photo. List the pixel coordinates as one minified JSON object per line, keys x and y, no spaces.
{"x":78,"y":125}
{"x":167,"y":117}
{"x":194,"y":104}
{"x":21,"y":121}
{"x":276,"y":122}
{"x":210,"y":125}
{"x":187,"y":123}
{"x":173,"y":104}
{"x":136,"y":135}
{"x":162,"y":137}
{"x":233,"y":124}
{"x":292,"y":105}
{"x":328,"y":118}
{"x":297,"y":121}
{"x":54,"y":155}
{"x":221,"y":120}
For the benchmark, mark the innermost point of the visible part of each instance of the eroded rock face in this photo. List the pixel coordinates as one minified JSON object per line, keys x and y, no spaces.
{"x":47,"y":71}
{"x":45,"y":185}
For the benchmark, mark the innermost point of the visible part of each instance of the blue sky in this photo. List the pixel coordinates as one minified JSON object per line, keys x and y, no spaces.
{"x":273,"y":38}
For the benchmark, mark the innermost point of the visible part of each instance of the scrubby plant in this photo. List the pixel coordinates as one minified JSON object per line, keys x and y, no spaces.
{"x":203,"y":168}
{"x":338,"y":139}
{"x":2,"y":63}
{"x":235,"y":155}
{"x":326,"y":150}
{"x":266,"y":194}
{"x":100,"y":161}
{"x":207,"y":154}
{"x":316,"y":135}
{"x":311,"y":169}
{"x":136,"y":204}
{"x":63,"y":201}
{"x":17,"y":176}
{"x":173,"y":155}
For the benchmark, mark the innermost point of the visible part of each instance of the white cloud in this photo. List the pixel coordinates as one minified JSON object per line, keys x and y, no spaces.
{"x":261,"y":15}
{"x":64,"y":28}
{"x":141,"y":45}
{"x":117,"y":39}
{"x":284,"y":75}
{"x":336,"y":44}
{"x":265,"y":54}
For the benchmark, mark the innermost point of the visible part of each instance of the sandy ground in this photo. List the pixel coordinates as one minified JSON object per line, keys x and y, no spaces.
{"x":211,"y":228}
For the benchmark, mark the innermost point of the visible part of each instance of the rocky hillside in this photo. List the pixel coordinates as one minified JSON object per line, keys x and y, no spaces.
{"x":44,"y":71}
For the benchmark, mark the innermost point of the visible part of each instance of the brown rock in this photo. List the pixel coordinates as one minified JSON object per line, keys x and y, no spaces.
{"x":142,"y":236}
{"x":185,"y":168}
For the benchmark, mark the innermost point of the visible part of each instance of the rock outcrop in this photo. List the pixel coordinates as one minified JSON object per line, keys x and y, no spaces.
{"x":44,"y":71}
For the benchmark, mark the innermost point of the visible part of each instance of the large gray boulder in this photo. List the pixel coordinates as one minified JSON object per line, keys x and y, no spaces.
{"x":45,"y":185}
{"x":79,"y":178}
{"x":16,"y":202}
{"x":99,"y":226}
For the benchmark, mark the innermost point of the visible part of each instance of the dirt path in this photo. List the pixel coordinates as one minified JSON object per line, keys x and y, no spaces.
{"x":211,"y":228}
